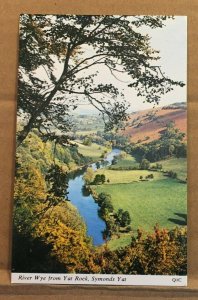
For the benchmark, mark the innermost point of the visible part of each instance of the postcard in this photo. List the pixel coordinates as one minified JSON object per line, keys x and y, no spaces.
{"x":100,"y":192}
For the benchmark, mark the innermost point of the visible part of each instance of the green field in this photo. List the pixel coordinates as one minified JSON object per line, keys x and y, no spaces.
{"x":178,"y":165}
{"x":128,"y":161}
{"x":149,"y":202}
{"x":127,"y":176}
{"x":123,"y":241}
{"x":93,"y":151}
{"x":161,"y":201}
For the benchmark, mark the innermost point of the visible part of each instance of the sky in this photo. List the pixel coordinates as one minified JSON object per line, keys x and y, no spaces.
{"x":171,"y":41}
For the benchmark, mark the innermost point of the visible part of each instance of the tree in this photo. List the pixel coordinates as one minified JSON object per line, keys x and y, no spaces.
{"x":171,"y":149}
{"x":58,"y":181}
{"x":98,"y":165}
{"x":107,"y":205}
{"x":144,"y":164}
{"x":163,"y":252}
{"x":119,"y":215}
{"x":172,"y":133}
{"x":158,"y":166}
{"x":89,"y":176}
{"x":99,"y":179}
{"x":181,"y":150}
{"x":68,"y":244}
{"x":29,"y":193}
{"x":172,"y":174}
{"x":114,"y":160}
{"x":87,"y":141}
{"x":123,"y":217}
{"x":46,"y":102}
{"x":122,"y":155}
{"x":102,"y":178}
{"x":126,"y":219}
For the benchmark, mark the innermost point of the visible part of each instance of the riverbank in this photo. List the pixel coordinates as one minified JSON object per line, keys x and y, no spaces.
{"x":141,"y":192}
{"x":86,"y":204}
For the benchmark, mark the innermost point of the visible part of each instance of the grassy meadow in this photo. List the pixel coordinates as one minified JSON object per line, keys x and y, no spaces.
{"x":127,"y":176}
{"x":149,"y":202}
{"x":161,"y":200}
{"x":127,"y":161}
{"x":94,"y":151}
{"x":179,"y":165}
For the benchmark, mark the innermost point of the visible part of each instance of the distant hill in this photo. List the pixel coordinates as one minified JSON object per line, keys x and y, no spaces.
{"x":145,"y":126}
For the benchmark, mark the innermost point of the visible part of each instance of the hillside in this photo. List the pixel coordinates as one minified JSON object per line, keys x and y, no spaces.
{"x":145,"y":126}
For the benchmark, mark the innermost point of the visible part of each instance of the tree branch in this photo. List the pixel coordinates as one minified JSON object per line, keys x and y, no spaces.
{"x":111,"y":70}
{"x":97,"y":62}
{"x":87,"y":59}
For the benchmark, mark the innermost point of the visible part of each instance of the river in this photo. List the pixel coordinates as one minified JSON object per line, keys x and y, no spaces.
{"x":85,"y":203}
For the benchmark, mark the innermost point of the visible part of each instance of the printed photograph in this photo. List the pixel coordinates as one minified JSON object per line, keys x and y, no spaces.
{"x":101,"y":146}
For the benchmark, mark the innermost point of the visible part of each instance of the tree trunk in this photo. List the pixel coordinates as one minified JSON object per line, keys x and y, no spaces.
{"x":23,"y":133}
{"x":27,"y":128}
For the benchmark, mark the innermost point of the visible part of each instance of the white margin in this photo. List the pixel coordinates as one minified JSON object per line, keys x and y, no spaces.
{"x":98,"y":279}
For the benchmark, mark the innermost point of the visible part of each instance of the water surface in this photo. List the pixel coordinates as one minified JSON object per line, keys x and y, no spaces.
{"x":85,"y":203}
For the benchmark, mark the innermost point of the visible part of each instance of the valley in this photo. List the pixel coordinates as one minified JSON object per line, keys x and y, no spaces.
{"x":154,"y":193}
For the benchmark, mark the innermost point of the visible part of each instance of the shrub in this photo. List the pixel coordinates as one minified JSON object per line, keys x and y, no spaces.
{"x":123,"y":218}
{"x":144,"y":164}
{"x":150,"y":176}
{"x":172,"y":174}
{"x":99,"y":179}
{"x":128,"y":228}
{"x":161,"y":253}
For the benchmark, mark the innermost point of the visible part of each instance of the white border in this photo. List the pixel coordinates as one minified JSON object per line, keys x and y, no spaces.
{"x":98,"y":279}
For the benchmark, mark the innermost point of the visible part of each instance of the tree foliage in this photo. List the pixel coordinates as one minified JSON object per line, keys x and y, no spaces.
{"x":40,"y":207}
{"x":53,"y":238}
{"x":123,"y":218}
{"x":144,"y":164}
{"x":69,"y":243}
{"x":87,"y":141}
{"x":162,"y":252}
{"x":171,"y":143}
{"x":89,"y":175}
{"x":99,"y":179}
{"x":115,"y":42}
{"x":104,"y":201}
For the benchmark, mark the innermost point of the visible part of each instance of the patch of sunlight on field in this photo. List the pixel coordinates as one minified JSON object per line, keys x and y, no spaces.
{"x":128,"y":161}
{"x":126,"y":176}
{"x":178,"y":165}
{"x":123,"y":241}
{"x":94,"y":150}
